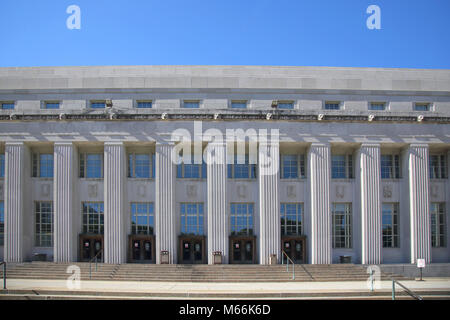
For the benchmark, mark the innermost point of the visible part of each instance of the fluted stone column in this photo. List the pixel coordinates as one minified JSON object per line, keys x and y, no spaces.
{"x":217,"y":200}
{"x":114,"y":197}
{"x":319,"y":175}
{"x":14,"y":201}
{"x":419,"y":202}
{"x":369,"y":182}
{"x":269,"y":224}
{"x":64,"y":247}
{"x":166,"y":235}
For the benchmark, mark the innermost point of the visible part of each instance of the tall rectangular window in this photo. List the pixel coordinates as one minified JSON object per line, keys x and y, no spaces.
{"x":377,"y":106}
{"x":2,"y":223}
{"x":293,"y":166}
{"x":390,"y":225}
{"x":7,"y":105}
{"x":422,"y":106}
{"x":98,"y":104}
{"x":342,"y":225}
{"x":191,"y":104}
{"x":332,"y":105}
{"x":390,"y":166}
{"x":242,"y":171}
{"x":291,"y":219}
{"x":50,"y":105}
{"x":93,"y":217}
{"x":191,"y":170}
{"x":342,"y":166}
{"x":91,"y":165}
{"x":285,"y":105}
{"x":191,"y":216}
{"x":438,"y":224}
{"x":144,"y":104}
{"x":142,"y":218}
{"x":2,"y":165}
{"x":140,"y":165}
{"x":241,"y":219}
{"x":238,"y":104}
{"x":44,"y":223}
{"x":438,"y":166}
{"x":42,"y":165}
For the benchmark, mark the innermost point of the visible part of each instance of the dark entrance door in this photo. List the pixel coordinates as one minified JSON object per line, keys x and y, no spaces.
{"x":91,"y":246}
{"x":242,"y":249}
{"x":141,"y":248}
{"x":295,"y":248}
{"x":192,"y":249}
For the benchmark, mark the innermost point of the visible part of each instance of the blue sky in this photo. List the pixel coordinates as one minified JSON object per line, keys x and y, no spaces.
{"x":414,"y":34}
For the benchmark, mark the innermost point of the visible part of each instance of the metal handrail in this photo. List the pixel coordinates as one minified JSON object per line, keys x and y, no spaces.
{"x":412,"y":294}
{"x":96,"y":260}
{"x":4,"y":274}
{"x":287,"y":263}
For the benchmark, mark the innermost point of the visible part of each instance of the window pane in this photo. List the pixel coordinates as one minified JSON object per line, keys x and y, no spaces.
{"x":94,"y":165}
{"x":6,"y":106}
{"x":191,"y":104}
{"x":238,"y":105}
{"x":98,"y":105}
{"x":332,"y":106}
{"x":286,"y":105}
{"x":52,"y":105}
{"x":144,"y":104}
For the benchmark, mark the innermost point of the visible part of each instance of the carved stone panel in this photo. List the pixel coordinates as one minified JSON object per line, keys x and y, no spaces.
{"x":291,"y":191}
{"x":191,"y":191}
{"x":340,"y":191}
{"x":242,"y":191}
{"x":92,"y":190}
{"x":387,"y":191}
{"x":45,"y":190}
{"x":141,"y":190}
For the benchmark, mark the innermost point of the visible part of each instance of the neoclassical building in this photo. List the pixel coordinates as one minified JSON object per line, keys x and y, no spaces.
{"x":325,"y":165}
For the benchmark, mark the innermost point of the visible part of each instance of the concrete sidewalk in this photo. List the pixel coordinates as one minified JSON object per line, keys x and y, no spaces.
{"x":185,"y":288}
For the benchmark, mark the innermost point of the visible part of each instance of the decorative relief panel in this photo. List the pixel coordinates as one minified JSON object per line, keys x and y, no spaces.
{"x":45,"y":190}
{"x":141,"y":190}
{"x":340,"y":191}
{"x":92,"y":190}
{"x":291,"y":191}
{"x":191,"y":191}
{"x":387,"y":191}
{"x":242,"y":191}
{"x":434,"y":191}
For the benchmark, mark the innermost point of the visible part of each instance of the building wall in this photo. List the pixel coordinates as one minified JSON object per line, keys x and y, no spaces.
{"x":215,"y":88}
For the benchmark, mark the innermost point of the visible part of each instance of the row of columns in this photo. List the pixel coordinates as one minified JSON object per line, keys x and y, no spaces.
{"x":368,"y":175}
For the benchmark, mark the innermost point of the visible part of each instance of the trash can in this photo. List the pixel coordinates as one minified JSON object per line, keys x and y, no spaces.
{"x":40,"y":257}
{"x":217,"y":257}
{"x":345,"y":259}
{"x":273,"y":259}
{"x":164,"y":257}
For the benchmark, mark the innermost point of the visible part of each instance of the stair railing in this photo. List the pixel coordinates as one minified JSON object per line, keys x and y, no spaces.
{"x":284,"y":254}
{"x":95,"y":259}
{"x":4,"y":274}
{"x":409,"y":292}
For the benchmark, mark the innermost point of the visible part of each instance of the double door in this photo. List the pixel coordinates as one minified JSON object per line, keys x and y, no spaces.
{"x":295,"y":248}
{"x":242,"y":250}
{"x":91,"y":246}
{"x":141,"y":248}
{"x":192,"y":249}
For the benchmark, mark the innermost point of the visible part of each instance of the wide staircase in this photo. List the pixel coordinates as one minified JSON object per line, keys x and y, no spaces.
{"x":192,"y":273}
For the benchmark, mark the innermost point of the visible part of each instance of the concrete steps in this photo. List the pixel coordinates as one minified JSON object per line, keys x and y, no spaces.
{"x":195,"y":273}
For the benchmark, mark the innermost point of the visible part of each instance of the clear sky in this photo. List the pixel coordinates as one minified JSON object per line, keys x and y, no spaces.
{"x":413,"y":34}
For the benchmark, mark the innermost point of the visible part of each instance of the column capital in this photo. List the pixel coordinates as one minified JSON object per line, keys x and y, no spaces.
{"x":370,"y":145}
{"x":419,"y":145}
{"x":113,"y":143}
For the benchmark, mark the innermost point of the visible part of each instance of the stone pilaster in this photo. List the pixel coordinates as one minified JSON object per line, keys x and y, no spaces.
{"x":166,"y":235}
{"x":14,"y":201}
{"x":319,"y":178}
{"x":269,"y":207}
{"x":369,"y":183}
{"x":217,"y":200}
{"x":64,"y":246}
{"x":114,"y":197}
{"x":419,"y":202}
